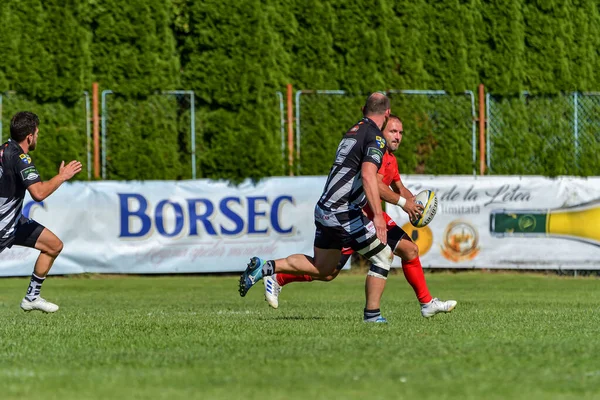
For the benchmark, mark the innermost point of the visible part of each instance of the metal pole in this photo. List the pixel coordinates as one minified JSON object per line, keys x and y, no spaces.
{"x":104,"y":94}
{"x":193,"y":133}
{"x":481,"y":129}
{"x":473,"y":130}
{"x":422,"y":92}
{"x":96,"y":130}
{"x":488,"y":99}
{"x":298,"y":94}
{"x":88,"y":134}
{"x":576,"y":130}
{"x":290,"y":122}
{"x":281,"y":122}
{"x":192,"y":123}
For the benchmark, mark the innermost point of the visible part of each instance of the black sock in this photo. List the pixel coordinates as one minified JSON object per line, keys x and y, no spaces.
{"x":372,"y":315}
{"x":269,"y":268}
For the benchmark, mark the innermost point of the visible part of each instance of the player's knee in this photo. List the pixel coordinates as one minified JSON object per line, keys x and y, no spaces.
{"x":55,"y":248}
{"x":407,"y":250}
{"x":325,"y":271}
{"x":331,"y":277}
{"x":381,"y":263}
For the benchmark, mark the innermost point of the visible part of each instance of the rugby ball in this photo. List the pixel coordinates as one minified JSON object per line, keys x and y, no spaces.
{"x":429,"y":201}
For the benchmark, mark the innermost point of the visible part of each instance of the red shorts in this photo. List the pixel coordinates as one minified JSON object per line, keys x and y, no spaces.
{"x":392,"y":239}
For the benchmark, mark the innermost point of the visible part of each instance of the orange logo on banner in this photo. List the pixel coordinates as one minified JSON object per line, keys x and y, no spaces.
{"x":460,"y":241}
{"x":423,"y":237}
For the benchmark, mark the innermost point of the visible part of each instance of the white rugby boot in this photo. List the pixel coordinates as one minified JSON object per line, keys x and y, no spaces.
{"x":38,"y":304}
{"x":272,"y":290}
{"x":436,"y":306}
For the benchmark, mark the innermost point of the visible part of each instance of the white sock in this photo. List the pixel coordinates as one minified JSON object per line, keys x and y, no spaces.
{"x":35,"y":285}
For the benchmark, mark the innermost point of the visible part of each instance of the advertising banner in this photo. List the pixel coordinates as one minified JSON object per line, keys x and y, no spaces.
{"x":171,"y":227}
{"x":210,"y":226}
{"x":508,"y":222}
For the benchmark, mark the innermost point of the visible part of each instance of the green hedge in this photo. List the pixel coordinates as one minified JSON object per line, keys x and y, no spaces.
{"x":235,"y":54}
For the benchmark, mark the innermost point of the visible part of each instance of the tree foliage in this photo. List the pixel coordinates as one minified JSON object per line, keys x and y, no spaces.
{"x":236,"y":54}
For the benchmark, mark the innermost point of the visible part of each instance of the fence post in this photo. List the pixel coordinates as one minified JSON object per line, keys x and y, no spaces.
{"x":576,"y":130}
{"x":192,"y":124}
{"x":482,"y":129}
{"x":96,"y":129}
{"x":473,"y":131}
{"x":104,"y":116}
{"x":290,"y":121}
{"x":88,"y":134}
{"x":488,"y":146}
{"x":281,"y":123}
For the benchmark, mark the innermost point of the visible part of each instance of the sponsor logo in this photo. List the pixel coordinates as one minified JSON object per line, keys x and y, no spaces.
{"x":460,"y":241}
{"x":29,"y":174}
{"x":422,"y":237}
{"x":230,"y":216}
{"x":375,"y":154}
{"x":527,"y":223}
{"x":30,"y":206}
{"x":371,"y":228}
{"x":354,"y":129}
{"x":380,"y":141}
{"x":25,"y":158}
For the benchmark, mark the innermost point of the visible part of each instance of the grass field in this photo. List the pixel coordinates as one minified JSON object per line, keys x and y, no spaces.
{"x":512,"y":336}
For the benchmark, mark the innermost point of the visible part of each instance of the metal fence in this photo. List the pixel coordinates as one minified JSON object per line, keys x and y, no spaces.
{"x":439,"y":138}
{"x":70,"y":122}
{"x":526,"y":134}
{"x":169,"y":120}
{"x":543,"y":135}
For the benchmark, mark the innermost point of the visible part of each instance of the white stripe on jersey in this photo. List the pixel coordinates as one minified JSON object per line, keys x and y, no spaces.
{"x":341,"y":192}
{"x":6,"y":217}
{"x":339,"y":175}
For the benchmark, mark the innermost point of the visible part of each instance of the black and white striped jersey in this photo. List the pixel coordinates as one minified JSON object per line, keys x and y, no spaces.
{"x":364,"y":142}
{"x":17,"y":173}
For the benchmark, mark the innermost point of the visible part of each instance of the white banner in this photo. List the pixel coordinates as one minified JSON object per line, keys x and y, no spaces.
{"x":508,"y":222}
{"x":172,"y":227}
{"x":208,"y":226}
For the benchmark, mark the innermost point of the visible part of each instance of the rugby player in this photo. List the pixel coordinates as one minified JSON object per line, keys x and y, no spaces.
{"x":18,"y":174}
{"x":388,"y":176}
{"x":339,"y":220}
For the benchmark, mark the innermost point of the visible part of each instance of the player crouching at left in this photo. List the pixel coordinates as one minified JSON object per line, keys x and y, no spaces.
{"x":17,"y":174}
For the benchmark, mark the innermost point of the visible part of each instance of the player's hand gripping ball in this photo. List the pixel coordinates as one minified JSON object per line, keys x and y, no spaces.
{"x":429,"y":201}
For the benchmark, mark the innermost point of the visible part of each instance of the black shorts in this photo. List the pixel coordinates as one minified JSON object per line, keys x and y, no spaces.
{"x":346,"y":229}
{"x":26,"y":234}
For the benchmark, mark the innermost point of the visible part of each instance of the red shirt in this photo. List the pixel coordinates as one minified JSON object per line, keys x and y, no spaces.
{"x":389,"y":170}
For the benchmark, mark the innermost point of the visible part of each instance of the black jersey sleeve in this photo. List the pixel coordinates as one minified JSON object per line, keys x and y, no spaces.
{"x":25,"y":170}
{"x":373,"y":148}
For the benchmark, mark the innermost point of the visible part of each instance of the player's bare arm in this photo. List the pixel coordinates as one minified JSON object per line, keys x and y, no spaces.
{"x":41,"y":190}
{"x":398,"y":187}
{"x":370,"y":183}
{"x":401,"y":196}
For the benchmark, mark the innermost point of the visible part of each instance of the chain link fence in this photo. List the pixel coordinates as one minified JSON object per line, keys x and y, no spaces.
{"x":65,"y":131}
{"x":439,"y":129}
{"x":543,"y":135}
{"x":162,"y":147}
